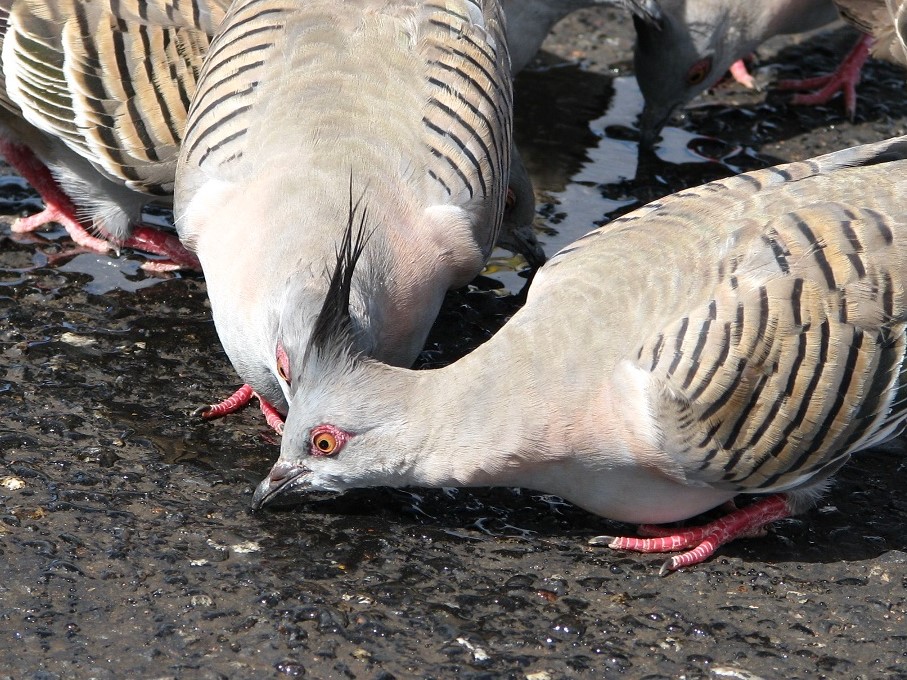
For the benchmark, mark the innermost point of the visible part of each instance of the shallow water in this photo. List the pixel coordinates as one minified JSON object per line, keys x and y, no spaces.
{"x":128,"y":549}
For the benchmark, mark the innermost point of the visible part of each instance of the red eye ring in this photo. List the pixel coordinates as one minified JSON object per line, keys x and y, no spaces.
{"x":327,"y":440}
{"x":699,"y":71}
{"x":283,"y":363}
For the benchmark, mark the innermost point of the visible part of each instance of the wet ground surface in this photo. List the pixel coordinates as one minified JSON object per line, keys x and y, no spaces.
{"x":127,"y":548}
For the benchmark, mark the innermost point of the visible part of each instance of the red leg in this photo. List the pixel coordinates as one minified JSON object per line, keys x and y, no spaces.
{"x":158,"y":242}
{"x":236,"y":401}
{"x":58,"y":206}
{"x":704,"y":540}
{"x":740,"y":73}
{"x":271,"y":414}
{"x":231,"y":404}
{"x":844,"y":79}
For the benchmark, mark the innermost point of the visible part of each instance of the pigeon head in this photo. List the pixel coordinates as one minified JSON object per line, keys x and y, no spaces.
{"x":678,"y":57}
{"x":332,"y":436}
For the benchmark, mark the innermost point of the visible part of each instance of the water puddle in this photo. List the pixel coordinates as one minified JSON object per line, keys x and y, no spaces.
{"x":110,"y":273}
{"x":596,"y":176}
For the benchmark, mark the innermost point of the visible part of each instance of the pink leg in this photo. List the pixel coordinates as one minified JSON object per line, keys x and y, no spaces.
{"x":157,"y":242}
{"x":58,"y":207}
{"x":740,"y":73}
{"x":704,"y":540}
{"x":844,"y":79}
{"x":236,"y":401}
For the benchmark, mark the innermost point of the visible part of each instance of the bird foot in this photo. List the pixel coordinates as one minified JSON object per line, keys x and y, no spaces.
{"x":741,"y":74}
{"x":699,"y":543}
{"x":238,"y":400}
{"x":54,"y":212}
{"x":59,"y":208}
{"x":844,"y":79}
{"x":157,"y":242}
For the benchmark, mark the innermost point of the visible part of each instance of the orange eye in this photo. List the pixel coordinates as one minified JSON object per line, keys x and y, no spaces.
{"x":699,"y":71}
{"x":327,"y":440}
{"x":283,"y":363}
{"x":511,"y":199}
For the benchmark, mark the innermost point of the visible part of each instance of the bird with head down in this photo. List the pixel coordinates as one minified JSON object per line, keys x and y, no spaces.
{"x":307,"y":109}
{"x":694,"y":43}
{"x":743,"y":337}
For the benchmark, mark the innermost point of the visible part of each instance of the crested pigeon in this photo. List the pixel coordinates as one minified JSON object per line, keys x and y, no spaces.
{"x":696,"y":41}
{"x":93,"y":103}
{"x":315,"y":115}
{"x":743,"y":337}
{"x":530,"y":21}
{"x":93,"y":98}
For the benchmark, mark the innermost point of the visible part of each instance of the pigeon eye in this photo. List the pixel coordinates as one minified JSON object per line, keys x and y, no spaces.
{"x":283,"y":363}
{"x":699,"y":71}
{"x":327,"y":440}
{"x":511,"y":199}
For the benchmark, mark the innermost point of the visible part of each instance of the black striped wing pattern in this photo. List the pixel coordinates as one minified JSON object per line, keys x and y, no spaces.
{"x":466,"y":110}
{"x":795,"y":358}
{"x":113,"y":79}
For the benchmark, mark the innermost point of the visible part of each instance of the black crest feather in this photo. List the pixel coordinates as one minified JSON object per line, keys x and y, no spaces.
{"x":333,"y":327}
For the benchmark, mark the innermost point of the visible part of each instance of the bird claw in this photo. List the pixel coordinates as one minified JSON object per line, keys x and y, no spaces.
{"x":158,"y":242}
{"x":844,"y":79}
{"x":741,"y":74}
{"x":699,"y":543}
{"x":60,"y":215}
{"x":242,"y":397}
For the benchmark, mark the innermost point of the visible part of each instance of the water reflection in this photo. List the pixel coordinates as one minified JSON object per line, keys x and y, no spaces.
{"x":577,"y":134}
{"x":110,"y":273}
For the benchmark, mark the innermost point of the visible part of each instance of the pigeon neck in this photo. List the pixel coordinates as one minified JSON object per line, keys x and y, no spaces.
{"x":482,"y":432}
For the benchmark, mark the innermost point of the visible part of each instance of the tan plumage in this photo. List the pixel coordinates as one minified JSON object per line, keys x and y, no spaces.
{"x":103,"y":87}
{"x":765,"y":385}
{"x":745,"y":336}
{"x":884,"y":20}
{"x":313,"y":113}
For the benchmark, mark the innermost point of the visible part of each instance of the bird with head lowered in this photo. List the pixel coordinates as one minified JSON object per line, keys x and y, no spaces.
{"x":742,"y":337}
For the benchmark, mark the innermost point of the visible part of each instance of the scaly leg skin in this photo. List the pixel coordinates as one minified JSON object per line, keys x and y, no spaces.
{"x":741,"y":74}
{"x":844,"y":79}
{"x":58,"y":207}
{"x":157,"y":242}
{"x":243,"y":396}
{"x":704,"y":540}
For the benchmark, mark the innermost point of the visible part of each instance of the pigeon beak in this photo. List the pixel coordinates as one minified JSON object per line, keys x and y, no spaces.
{"x":283,"y":480}
{"x":651,"y":122}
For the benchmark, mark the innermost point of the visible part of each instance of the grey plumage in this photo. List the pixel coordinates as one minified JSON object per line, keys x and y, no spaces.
{"x":305,"y":109}
{"x":695,"y":42}
{"x":645,"y":383}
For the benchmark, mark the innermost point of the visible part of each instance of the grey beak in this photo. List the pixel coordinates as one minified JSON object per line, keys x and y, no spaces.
{"x":651,"y":123}
{"x":282,"y":480}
